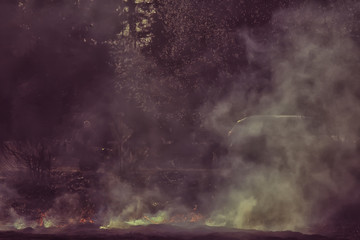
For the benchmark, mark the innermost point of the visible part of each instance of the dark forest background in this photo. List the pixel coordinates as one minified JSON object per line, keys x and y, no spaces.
{"x":137,"y":74}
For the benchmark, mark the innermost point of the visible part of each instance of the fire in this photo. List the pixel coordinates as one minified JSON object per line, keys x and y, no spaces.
{"x":196,"y":217}
{"x":86,"y":216}
{"x":161,"y":217}
{"x":41,"y":219}
{"x":86,"y":220}
{"x":47,"y":220}
{"x":186,"y":218}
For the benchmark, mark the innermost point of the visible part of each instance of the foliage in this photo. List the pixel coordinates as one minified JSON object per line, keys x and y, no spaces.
{"x":36,"y":157}
{"x":149,"y":65}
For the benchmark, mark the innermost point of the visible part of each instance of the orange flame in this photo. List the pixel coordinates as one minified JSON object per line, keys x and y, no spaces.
{"x":86,"y":216}
{"x":41,"y":219}
{"x":86,"y":220}
{"x":196,"y":217}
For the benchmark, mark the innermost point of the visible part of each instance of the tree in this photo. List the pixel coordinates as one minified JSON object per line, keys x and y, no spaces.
{"x":36,"y":157}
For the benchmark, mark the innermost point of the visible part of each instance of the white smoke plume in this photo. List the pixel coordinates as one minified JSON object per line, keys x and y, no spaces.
{"x":314,"y":60}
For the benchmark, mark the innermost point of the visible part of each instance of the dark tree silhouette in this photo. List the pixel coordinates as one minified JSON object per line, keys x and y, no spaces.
{"x":36,"y":157}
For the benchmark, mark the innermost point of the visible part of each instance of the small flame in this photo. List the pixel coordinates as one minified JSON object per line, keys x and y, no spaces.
{"x":41,"y":219}
{"x":86,"y":220}
{"x":86,"y":216}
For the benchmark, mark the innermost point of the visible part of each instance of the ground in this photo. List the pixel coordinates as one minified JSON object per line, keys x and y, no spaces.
{"x":161,"y":232}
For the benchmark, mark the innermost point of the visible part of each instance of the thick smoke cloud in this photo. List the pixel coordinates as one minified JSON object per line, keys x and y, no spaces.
{"x":313,"y":56}
{"x":304,"y":62}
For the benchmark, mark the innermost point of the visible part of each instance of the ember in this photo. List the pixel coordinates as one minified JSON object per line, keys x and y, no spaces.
{"x":86,"y":220}
{"x":41,"y":219}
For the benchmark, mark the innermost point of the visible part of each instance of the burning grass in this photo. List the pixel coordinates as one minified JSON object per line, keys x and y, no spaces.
{"x":158,"y":231}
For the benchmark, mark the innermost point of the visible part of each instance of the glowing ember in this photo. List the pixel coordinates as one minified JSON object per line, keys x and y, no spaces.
{"x":86,"y":220}
{"x":41,"y":219}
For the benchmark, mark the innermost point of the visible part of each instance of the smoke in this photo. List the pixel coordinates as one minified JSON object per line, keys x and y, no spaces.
{"x":298,"y":174}
{"x":279,"y":173}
